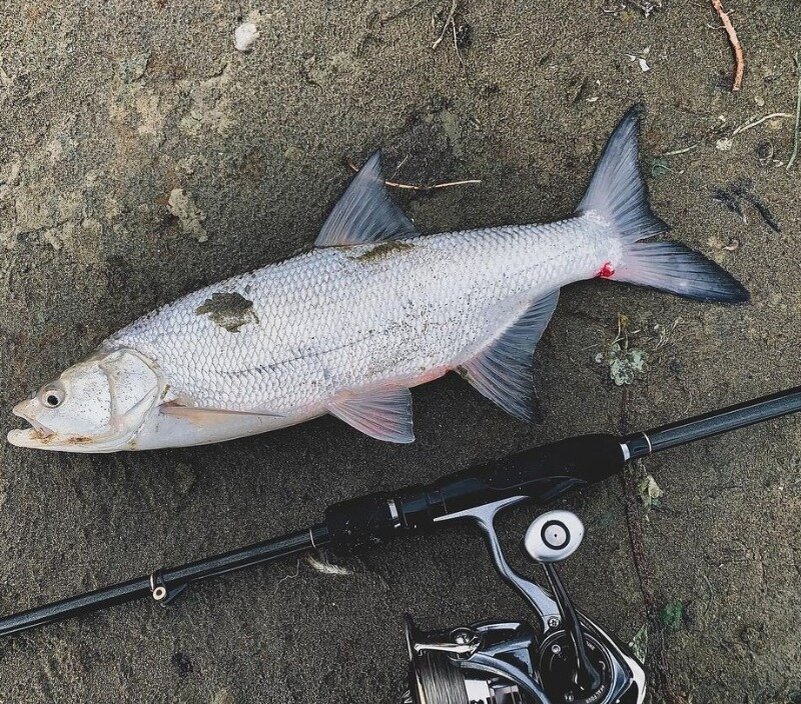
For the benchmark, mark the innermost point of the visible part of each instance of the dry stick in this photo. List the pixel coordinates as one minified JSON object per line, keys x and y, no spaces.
{"x":448,"y":21}
{"x":413,"y":187}
{"x":797,"y":116}
{"x":735,"y":45}
{"x":659,"y":669}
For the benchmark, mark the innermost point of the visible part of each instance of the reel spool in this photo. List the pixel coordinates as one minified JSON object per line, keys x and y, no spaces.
{"x":435,"y":676}
{"x":567,"y":660}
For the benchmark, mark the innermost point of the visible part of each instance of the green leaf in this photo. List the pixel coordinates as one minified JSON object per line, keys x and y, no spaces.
{"x":672,"y":616}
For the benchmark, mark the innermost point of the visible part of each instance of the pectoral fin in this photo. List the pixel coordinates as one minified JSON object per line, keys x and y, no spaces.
{"x":197,"y":414}
{"x":383,"y":413}
{"x":502,"y":372}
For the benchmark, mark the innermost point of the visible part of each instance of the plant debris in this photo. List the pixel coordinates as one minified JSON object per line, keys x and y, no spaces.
{"x":672,"y":615}
{"x":421,"y":187}
{"x":639,"y":644}
{"x":641,"y":61}
{"x":650,"y":492}
{"x":755,"y":123}
{"x":459,"y":28}
{"x":739,"y":58}
{"x":624,"y":362}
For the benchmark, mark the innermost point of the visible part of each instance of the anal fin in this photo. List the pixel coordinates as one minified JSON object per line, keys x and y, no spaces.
{"x":383,"y":413}
{"x":503,"y":371}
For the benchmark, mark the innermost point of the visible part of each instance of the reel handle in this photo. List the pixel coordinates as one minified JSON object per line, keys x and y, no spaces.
{"x":551,"y":538}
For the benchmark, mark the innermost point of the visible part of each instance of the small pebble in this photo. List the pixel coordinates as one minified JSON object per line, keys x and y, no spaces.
{"x":244,"y":36}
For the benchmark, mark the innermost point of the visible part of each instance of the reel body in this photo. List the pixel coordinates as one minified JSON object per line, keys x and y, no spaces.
{"x":566,"y":659}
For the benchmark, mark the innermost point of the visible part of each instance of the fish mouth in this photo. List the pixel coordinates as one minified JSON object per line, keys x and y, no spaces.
{"x":39,"y":428}
{"x":39,"y":436}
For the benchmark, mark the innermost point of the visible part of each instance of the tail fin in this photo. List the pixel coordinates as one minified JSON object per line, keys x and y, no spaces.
{"x":618,"y":193}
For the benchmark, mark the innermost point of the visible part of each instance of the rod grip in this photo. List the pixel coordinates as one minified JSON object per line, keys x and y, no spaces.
{"x":543,"y":473}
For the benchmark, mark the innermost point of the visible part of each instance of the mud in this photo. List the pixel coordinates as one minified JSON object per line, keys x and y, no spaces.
{"x":383,"y":250}
{"x":109,"y":111}
{"x":228,"y":310}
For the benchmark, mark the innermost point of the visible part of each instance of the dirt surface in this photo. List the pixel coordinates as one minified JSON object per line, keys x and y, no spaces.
{"x":142,"y":155}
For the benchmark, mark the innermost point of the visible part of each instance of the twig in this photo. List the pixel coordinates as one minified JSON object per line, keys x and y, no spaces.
{"x":415,"y":187}
{"x":735,"y":45}
{"x":448,"y":21}
{"x":680,"y":151}
{"x":743,"y":128}
{"x":456,"y":41}
{"x":797,"y":116}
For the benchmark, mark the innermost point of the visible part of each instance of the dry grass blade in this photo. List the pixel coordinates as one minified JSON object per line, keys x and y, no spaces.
{"x":756,"y":123}
{"x":794,"y":155}
{"x":420,"y":187}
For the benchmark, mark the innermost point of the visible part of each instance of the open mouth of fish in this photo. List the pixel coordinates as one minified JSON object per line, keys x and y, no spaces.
{"x":37,"y":433}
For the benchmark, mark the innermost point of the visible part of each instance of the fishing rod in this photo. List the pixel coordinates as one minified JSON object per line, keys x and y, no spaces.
{"x":540,"y":474}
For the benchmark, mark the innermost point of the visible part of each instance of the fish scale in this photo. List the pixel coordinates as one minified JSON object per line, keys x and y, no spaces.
{"x":372,"y":311}
{"x":335,"y":319}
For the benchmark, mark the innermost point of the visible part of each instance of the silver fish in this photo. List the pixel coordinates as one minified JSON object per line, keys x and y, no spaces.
{"x":374,"y":309}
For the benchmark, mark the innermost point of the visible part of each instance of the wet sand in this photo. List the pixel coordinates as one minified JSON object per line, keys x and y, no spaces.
{"x":142,"y":156}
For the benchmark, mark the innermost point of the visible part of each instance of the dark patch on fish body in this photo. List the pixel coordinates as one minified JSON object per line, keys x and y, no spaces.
{"x":383,"y":250}
{"x":78,"y":440}
{"x":228,"y":310}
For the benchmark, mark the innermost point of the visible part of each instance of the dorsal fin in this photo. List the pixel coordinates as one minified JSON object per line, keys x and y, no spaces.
{"x":365,"y":213}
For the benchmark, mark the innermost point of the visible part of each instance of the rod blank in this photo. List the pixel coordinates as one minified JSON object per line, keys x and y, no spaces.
{"x":714,"y":423}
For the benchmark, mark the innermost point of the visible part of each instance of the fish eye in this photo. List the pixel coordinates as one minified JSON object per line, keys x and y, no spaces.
{"x":51,"y":396}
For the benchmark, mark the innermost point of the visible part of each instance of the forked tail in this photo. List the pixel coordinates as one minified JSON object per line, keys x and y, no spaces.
{"x":618,"y":193}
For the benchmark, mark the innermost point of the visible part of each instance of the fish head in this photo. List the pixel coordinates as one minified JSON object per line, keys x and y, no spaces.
{"x":98,"y":405}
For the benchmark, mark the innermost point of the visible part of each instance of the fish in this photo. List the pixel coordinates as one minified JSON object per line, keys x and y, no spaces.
{"x":374,"y":309}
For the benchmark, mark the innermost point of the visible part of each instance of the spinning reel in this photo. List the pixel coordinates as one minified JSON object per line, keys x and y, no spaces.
{"x":567,"y":659}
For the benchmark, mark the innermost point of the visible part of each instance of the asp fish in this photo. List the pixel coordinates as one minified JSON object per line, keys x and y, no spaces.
{"x":374,"y":309}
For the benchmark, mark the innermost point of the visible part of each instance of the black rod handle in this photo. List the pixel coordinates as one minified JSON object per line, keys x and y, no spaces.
{"x":542,"y":473}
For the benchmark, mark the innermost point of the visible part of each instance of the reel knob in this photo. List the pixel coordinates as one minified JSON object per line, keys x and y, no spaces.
{"x":553,"y":536}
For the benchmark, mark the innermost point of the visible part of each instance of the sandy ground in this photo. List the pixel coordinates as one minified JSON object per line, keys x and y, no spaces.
{"x":141,"y":156}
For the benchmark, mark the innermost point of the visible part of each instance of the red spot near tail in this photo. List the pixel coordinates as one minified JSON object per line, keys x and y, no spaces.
{"x":607,"y":271}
